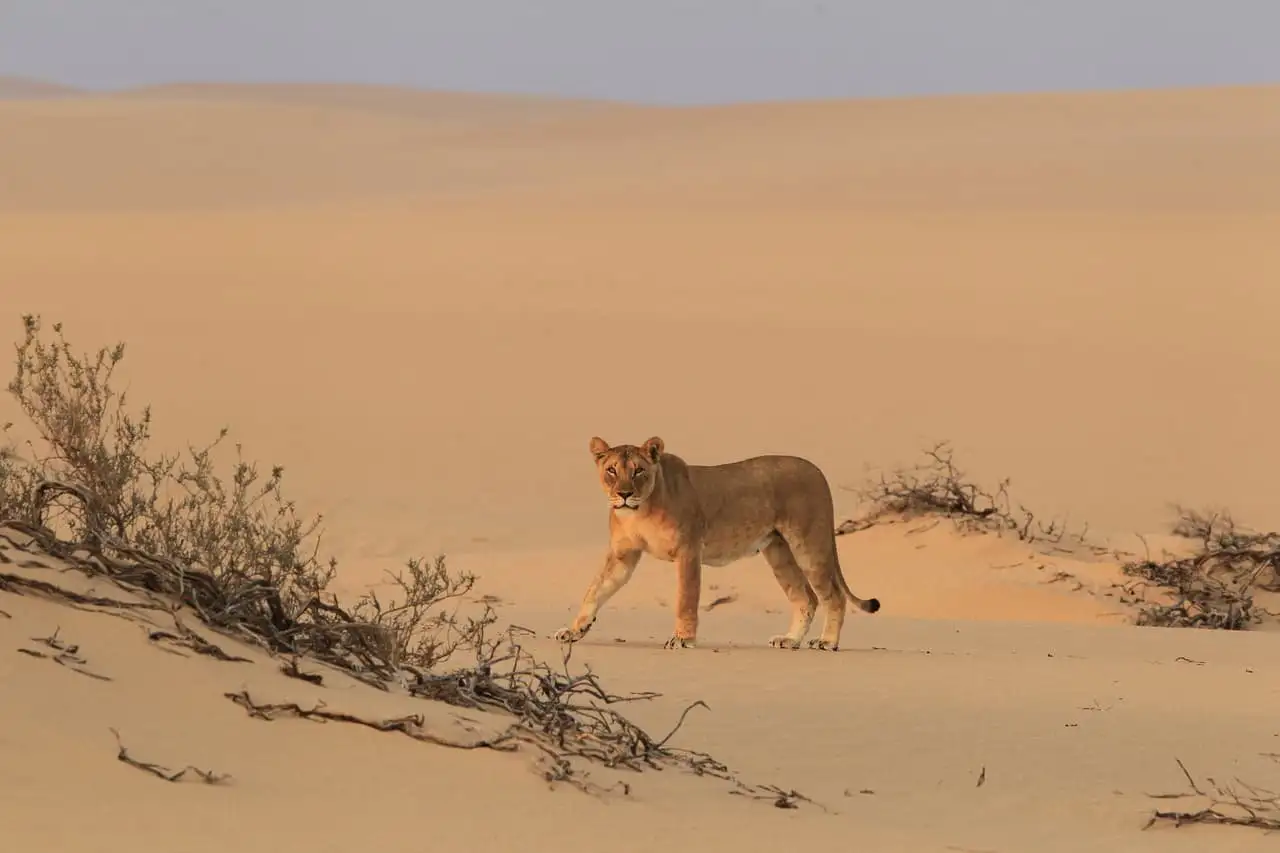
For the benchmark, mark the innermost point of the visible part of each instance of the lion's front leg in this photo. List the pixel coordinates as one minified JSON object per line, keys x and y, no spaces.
{"x":617,"y":570}
{"x":688,"y":591}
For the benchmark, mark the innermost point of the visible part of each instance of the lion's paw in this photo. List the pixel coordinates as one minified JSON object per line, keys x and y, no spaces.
{"x":782,"y":641}
{"x":572,"y":635}
{"x":824,"y":645}
{"x":679,"y":643}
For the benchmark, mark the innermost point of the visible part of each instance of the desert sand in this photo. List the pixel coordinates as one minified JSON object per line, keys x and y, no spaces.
{"x":424,"y":305}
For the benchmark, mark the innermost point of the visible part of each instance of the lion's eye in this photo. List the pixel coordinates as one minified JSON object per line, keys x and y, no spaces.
{"x":638,"y":474}
{"x":611,"y":471}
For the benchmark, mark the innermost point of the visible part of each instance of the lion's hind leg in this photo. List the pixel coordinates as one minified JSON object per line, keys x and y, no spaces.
{"x":821,"y":568}
{"x":804,"y":601}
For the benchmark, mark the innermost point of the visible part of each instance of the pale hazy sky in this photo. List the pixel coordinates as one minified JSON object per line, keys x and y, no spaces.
{"x":667,"y":51}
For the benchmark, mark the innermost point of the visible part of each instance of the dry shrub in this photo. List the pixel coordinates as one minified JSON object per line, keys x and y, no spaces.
{"x":105,"y":486}
{"x":1213,"y":587}
{"x":937,"y":487}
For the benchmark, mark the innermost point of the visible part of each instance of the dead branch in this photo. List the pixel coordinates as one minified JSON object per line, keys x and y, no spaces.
{"x":206,"y":776}
{"x":291,"y":669}
{"x":66,"y":656}
{"x":565,"y":712}
{"x":781,"y":799}
{"x":189,"y":639}
{"x":410,"y":726}
{"x":17,"y":584}
{"x":1227,"y":806}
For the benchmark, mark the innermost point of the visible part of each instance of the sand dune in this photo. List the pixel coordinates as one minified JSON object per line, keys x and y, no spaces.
{"x":423,"y":305}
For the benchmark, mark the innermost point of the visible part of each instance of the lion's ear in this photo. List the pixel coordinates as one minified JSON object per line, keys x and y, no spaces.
{"x":599,"y":447}
{"x":653,"y":448}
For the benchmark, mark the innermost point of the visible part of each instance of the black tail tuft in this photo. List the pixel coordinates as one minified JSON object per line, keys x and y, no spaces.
{"x":871,"y":605}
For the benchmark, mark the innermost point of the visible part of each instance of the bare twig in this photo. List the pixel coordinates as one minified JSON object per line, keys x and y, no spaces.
{"x":291,"y":669}
{"x":206,"y":776}
{"x":189,"y":639}
{"x":410,"y":726}
{"x":66,"y":656}
{"x":719,"y":601}
{"x":781,"y":799}
{"x":1226,"y":805}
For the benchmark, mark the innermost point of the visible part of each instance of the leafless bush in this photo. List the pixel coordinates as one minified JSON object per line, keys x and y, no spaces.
{"x":1214,"y":586}
{"x":937,"y":487}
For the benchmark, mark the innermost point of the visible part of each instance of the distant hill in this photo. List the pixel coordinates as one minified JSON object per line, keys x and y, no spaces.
{"x":26,"y":87}
{"x":380,"y":99}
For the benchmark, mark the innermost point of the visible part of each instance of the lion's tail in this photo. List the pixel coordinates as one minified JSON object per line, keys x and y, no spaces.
{"x":867,"y":605}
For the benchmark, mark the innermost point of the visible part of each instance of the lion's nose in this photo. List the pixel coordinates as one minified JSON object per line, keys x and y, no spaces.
{"x":625,"y":493}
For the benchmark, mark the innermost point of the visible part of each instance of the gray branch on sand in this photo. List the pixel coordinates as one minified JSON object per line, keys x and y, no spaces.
{"x":566,"y":717}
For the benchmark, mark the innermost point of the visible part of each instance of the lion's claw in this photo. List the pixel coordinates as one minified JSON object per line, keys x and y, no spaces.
{"x":784,"y":642}
{"x":569,"y":635}
{"x":824,"y":645}
{"x":679,"y":643}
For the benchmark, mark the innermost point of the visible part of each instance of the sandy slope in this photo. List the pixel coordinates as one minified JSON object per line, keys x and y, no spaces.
{"x":418,"y":304}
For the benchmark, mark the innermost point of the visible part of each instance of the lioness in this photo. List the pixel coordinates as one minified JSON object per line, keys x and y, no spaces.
{"x":717,"y":514}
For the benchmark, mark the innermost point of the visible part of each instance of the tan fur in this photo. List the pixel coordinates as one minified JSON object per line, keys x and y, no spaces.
{"x":691,"y":515}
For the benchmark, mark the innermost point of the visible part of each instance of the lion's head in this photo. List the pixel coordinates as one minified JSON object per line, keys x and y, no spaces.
{"x":627,"y":473}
